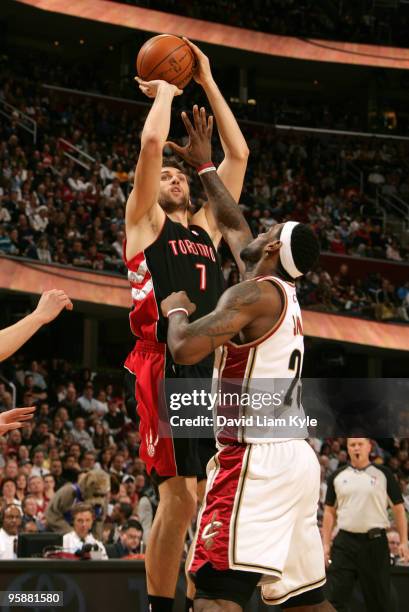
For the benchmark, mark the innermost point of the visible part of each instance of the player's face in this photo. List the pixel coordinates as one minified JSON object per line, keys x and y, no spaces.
{"x":253,"y":252}
{"x":174,"y":190}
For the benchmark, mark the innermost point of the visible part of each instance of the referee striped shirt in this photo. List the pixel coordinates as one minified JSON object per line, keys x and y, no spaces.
{"x":362,"y":496}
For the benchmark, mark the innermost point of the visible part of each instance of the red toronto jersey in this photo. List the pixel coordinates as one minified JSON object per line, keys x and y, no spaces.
{"x":180,"y":259}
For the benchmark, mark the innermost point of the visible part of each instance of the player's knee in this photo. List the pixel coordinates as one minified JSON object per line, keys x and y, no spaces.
{"x":188,"y":507}
{"x":180,"y":508}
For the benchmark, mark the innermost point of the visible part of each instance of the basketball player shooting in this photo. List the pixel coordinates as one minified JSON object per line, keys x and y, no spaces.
{"x":165,"y":252}
{"x":258,"y":521}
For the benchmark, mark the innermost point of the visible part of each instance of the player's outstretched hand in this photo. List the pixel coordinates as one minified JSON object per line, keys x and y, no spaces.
{"x":177,"y":299}
{"x":151,"y":88}
{"x":198,"y":150}
{"x":14,"y":419}
{"x":51,"y":304}
{"x":202,"y":73}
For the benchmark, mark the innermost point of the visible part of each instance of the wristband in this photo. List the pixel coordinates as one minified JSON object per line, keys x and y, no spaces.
{"x":208,"y":167}
{"x":173,"y":310}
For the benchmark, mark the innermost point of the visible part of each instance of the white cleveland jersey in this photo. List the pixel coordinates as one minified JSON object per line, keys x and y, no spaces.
{"x":266,"y":373}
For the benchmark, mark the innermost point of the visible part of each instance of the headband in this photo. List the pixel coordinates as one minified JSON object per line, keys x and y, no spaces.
{"x":286,"y":255}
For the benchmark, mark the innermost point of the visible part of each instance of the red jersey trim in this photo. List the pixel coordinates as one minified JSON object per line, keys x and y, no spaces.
{"x":275,"y":327}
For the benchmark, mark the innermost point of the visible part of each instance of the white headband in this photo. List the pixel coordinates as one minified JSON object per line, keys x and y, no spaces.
{"x":286,"y":255}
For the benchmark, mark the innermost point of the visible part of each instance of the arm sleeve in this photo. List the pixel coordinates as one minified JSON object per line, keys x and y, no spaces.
{"x":331,"y":496}
{"x":392,"y":487}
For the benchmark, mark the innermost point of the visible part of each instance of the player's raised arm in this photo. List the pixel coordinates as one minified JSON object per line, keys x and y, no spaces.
{"x":233,"y":167}
{"x":227,"y":219}
{"x":238,"y":307}
{"x":144,"y":195}
{"x":48,"y":308}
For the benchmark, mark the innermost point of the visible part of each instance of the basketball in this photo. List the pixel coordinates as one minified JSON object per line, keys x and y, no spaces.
{"x":168,"y":58}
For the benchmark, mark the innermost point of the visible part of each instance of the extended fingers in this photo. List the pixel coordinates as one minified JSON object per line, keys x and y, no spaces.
{"x":203,"y":119}
{"x":189,"y":127}
{"x":209,"y":129}
{"x":197,"y":119}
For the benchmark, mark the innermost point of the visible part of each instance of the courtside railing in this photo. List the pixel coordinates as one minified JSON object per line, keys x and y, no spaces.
{"x":14,"y":114}
{"x":76,"y":154}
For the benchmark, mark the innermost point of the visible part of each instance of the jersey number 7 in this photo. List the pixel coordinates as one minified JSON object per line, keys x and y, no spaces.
{"x":202,"y":270}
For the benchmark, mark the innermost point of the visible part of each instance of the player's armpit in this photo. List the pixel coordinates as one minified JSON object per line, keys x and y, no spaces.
{"x":237,"y":308}
{"x":142,"y":234}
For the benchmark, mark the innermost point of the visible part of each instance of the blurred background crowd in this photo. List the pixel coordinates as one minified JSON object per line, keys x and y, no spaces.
{"x":84,"y":442}
{"x":57,"y":206}
{"x":363,"y":21}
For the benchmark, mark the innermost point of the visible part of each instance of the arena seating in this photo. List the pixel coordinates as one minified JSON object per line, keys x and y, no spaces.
{"x":62,"y":199}
{"x":360,"y":21}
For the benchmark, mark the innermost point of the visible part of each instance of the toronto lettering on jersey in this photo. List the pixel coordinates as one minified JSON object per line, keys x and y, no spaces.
{"x":187,"y":247}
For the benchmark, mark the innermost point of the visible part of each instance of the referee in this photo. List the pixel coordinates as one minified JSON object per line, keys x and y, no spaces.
{"x":357,"y":499}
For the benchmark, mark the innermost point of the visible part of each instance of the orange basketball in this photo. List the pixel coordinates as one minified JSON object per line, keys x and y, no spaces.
{"x":166,"y":57}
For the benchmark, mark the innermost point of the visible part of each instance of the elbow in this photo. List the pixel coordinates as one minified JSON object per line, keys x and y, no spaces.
{"x":182,"y":357}
{"x":241,"y":154}
{"x":152,"y":144}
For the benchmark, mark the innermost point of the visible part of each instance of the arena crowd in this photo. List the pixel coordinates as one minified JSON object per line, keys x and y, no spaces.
{"x":359,"y":21}
{"x":83,"y":435}
{"x":58,"y":211}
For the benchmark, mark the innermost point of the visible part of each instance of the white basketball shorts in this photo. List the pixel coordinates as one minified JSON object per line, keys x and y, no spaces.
{"x":260,"y":515}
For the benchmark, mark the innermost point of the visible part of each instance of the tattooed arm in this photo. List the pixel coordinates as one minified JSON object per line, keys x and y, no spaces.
{"x":228,"y":216}
{"x":220,"y":216}
{"x":246,"y":305}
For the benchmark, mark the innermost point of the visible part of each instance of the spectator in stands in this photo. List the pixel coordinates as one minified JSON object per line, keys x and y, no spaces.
{"x":37,"y":374}
{"x":36,"y":488}
{"x":11,"y":469}
{"x":115,"y":418}
{"x":56,"y":471}
{"x":80,"y":434}
{"x":130,"y":487}
{"x":83,"y":518}
{"x":30,"y":512}
{"x":394,"y":545}
{"x":21,"y":485}
{"x":11,"y":522}
{"x":117,"y":466}
{"x":88,"y":460}
{"x":146,"y":510}
{"x":8,"y":492}
{"x":101,"y":437}
{"x":87,"y":401}
{"x":39,"y":459}
{"x":129,"y":541}
{"x":49,"y":487}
